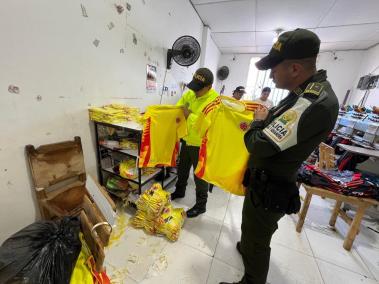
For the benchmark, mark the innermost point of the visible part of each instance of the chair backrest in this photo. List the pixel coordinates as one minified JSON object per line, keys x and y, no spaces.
{"x":326,"y":157}
{"x":56,"y":163}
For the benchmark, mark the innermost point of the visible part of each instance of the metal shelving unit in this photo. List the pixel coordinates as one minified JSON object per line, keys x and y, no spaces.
{"x":102,"y":151}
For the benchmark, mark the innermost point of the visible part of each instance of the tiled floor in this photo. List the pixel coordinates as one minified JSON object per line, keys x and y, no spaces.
{"x":205,"y":252}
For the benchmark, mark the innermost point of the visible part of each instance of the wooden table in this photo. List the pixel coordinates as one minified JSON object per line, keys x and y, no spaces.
{"x":362,"y":203}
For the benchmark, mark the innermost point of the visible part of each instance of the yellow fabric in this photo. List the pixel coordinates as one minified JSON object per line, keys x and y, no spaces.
{"x":223,"y":156}
{"x":115,"y":113}
{"x":196,"y":106}
{"x":81,"y":273}
{"x":163,"y":127}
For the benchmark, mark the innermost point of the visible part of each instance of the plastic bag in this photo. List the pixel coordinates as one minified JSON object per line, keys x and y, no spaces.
{"x":153,"y":201}
{"x":128,"y":169}
{"x":84,"y":271}
{"x":44,"y":252}
{"x":141,"y":220}
{"x":170,"y":222}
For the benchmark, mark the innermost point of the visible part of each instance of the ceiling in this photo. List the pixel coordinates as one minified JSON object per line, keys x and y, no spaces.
{"x":248,"y":26}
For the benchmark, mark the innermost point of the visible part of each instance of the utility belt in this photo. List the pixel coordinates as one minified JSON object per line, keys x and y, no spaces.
{"x":274,"y":193}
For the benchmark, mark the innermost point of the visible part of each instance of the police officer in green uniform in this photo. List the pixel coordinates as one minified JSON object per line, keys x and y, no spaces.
{"x":279,"y":140}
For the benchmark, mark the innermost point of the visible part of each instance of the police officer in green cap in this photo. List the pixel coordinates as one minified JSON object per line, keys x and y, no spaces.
{"x":279,"y":140}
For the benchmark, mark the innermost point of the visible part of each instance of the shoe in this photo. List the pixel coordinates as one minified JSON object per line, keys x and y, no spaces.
{"x":195,"y":211}
{"x":176,"y":195}
{"x":238,"y":247}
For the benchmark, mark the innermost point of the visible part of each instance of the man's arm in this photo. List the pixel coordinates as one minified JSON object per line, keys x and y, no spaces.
{"x":297,"y":124}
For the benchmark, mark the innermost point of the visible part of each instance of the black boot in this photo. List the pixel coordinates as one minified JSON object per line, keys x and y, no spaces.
{"x":238,"y":247}
{"x":195,"y":211}
{"x":176,"y":195}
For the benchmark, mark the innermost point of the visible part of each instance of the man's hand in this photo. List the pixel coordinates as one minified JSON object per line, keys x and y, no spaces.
{"x":186,"y":111}
{"x":261,"y":113}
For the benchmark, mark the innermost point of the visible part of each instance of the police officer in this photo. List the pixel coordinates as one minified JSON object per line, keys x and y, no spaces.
{"x":239,"y":92}
{"x":279,"y":140}
{"x":199,"y":95}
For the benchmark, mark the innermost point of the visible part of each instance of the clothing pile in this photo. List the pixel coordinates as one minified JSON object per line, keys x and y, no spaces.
{"x":115,"y":113}
{"x":156,"y":215}
{"x":344,"y":182}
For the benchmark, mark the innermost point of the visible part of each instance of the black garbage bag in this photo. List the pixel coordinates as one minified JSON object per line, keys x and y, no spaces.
{"x":44,"y":252}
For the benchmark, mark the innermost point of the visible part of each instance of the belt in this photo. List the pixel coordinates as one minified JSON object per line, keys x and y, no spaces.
{"x":265,"y":176}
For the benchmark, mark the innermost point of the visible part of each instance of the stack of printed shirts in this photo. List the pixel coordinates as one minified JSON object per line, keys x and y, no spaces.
{"x":115,"y":113}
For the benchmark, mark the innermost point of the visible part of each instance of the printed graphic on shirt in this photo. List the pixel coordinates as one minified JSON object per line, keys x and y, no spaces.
{"x":283,"y":130}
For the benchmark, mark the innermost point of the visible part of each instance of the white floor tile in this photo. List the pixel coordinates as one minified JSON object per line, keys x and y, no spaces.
{"x":333,"y":274}
{"x":288,"y":266}
{"x":133,"y":254}
{"x":221,"y":272}
{"x":234,"y":212}
{"x":226,"y":248}
{"x":286,"y":235}
{"x":179,"y":264}
{"x":201,"y":233}
{"x":370,"y":256}
{"x":217,"y":204}
{"x":329,"y":248}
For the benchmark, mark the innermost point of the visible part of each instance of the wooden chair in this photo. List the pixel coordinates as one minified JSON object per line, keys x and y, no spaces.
{"x":59,"y":180}
{"x":326,"y":161}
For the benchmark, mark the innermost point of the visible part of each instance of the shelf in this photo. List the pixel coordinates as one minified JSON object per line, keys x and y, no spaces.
{"x":132,"y":153}
{"x":131,"y":125}
{"x":360,"y":150}
{"x":169,"y":180}
{"x":144,"y":178}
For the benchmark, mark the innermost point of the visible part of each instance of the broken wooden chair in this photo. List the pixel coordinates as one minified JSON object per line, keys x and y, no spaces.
{"x":59,"y":180}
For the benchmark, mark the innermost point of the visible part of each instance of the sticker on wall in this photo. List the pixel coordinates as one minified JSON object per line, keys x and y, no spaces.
{"x":13,"y":89}
{"x":39,"y":98}
{"x":96,"y":42}
{"x":110,"y":25}
{"x":119,"y":9}
{"x":151,"y":78}
{"x":84,"y":11}
{"x":135,"y":39}
{"x":128,"y":7}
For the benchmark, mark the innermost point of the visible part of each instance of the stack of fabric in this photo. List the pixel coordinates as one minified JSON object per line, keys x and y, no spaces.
{"x":344,"y":182}
{"x":115,"y":113}
{"x":156,"y":215}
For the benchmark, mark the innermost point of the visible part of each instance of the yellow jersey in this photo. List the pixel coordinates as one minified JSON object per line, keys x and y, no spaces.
{"x":195,"y":105}
{"x":223,"y":156}
{"x":164,"y":125}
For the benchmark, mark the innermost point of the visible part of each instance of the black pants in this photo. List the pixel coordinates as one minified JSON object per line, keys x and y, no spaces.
{"x":258,"y":226}
{"x":189,"y":156}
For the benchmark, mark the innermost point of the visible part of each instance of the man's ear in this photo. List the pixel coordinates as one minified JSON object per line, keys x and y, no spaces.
{"x":296,"y":69}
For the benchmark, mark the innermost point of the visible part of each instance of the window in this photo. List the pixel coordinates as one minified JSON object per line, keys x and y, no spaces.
{"x":257,"y":80}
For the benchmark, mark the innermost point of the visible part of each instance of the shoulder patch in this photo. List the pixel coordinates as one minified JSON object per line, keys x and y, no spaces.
{"x":314,"y":88}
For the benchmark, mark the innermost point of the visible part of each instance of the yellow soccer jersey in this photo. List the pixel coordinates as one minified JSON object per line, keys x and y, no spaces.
{"x":223,"y":156}
{"x":163,"y":127}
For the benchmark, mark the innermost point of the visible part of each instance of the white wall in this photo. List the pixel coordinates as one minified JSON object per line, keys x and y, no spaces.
{"x":211,"y":54}
{"x":47,"y":50}
{"x":342,"y":68}
{"x":370,"y":62}
{"x":341,"y":71}
{"x":238,"y":71}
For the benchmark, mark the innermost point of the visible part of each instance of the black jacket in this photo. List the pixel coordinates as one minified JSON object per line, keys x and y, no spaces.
{"x":293,"y":129}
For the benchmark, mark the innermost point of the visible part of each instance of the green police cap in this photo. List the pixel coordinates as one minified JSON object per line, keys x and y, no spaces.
{"x":297,"y":44}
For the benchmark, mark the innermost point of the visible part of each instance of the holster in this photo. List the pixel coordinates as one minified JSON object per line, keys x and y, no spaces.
{"x":273,"y":193}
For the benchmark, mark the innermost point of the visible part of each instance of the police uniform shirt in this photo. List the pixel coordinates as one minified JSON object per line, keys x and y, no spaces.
{"x":293,"y":129}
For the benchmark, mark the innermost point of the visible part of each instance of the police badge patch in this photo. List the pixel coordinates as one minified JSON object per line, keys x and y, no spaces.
{"x":283,"y":130}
